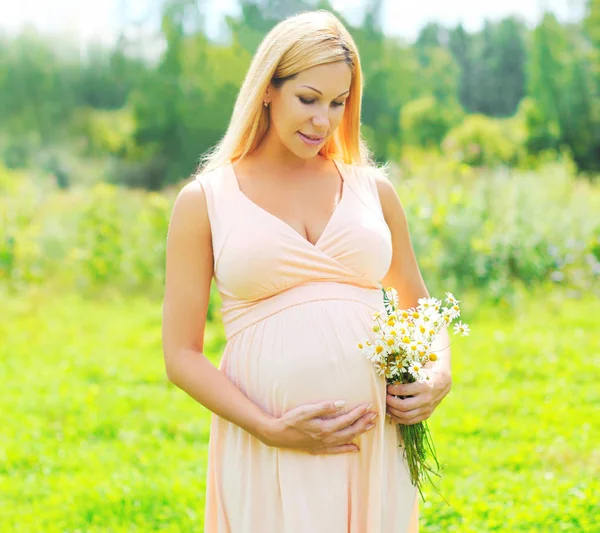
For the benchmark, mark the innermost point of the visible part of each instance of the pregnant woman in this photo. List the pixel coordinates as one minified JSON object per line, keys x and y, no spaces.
{"x":300,"y":231}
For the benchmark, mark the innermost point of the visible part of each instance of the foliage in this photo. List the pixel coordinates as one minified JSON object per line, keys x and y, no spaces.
{"x":489,"y":230}
{"x":153,"y":113}
{"x":497,"y":231}
{"x":561,"y":83}
{"x":481,"y":141}
{"x":426,"y":121}
{"x":100,"y":132}
{"x":89,"y":418}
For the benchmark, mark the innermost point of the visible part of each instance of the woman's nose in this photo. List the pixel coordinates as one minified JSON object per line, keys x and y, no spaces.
{"x":321,"y":121}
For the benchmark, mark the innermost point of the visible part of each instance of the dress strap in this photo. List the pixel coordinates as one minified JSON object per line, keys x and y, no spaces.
{"x":362,"y":181}
{"x":220,"y":199}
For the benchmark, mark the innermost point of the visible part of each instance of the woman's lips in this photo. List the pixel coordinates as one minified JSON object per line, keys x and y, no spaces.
{"x":308,"y":140}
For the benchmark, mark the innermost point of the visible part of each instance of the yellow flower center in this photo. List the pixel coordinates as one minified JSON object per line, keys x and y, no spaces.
{"x":405,"y":340}
{"x":378,"y":349}
{"x":360,"y":346}
{"x":433,"y":357}
{"x":390,"y":342}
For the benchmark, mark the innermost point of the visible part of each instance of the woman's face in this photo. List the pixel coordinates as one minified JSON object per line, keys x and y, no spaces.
{"x":306,"y":110}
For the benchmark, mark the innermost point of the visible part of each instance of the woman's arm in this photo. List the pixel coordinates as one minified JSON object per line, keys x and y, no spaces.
{"x":404,"y":276}
{"x":189,"y":271}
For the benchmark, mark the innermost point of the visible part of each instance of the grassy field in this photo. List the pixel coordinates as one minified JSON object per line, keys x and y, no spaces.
{"x":95,"y":439}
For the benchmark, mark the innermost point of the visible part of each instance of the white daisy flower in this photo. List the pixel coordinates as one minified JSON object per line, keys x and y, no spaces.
{"x":448,"y":315}
{"x":392,"y":299}
{"x":381,"y":348}
{"x":428,"y":304}
{"x":404,"y":339}
{"x":461,"y":328}
{"x":381,"y":368}
{"x":397,"y":365}
{"x":415,"y":368}
{"x":391,"y":341}
{"x":451,"y":299}
{"x":424,"y":303}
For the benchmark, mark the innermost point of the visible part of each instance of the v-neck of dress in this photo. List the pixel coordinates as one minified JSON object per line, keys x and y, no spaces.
{"x":282,"y":222}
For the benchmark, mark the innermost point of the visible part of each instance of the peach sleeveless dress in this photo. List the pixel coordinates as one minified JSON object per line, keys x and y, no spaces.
{"x":293,"y":313}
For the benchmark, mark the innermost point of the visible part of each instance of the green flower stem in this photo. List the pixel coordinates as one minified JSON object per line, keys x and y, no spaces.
{"x":418,"y":450}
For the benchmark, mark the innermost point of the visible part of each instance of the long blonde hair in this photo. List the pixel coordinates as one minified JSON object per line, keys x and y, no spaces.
{"x":299,"y":42}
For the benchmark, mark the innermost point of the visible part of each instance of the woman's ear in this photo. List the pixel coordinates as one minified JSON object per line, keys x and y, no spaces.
{"x":267,"y":95}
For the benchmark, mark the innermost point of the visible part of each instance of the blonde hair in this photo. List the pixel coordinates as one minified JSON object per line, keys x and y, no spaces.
{"x":299,"y":42}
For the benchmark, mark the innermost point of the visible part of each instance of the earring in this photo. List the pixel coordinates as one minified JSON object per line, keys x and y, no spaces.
{"x":266,"y":104}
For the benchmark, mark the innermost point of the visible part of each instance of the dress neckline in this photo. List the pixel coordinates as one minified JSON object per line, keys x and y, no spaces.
{"x":281,"y":222}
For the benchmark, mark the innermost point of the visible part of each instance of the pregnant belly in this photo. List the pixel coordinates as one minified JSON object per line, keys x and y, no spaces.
{"x":305,"y":354}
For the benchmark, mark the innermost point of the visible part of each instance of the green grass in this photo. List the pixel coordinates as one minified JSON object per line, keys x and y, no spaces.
{"x":94,"y":438}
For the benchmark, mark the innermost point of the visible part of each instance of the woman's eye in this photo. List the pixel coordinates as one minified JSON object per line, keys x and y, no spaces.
{"x":308,"y":101}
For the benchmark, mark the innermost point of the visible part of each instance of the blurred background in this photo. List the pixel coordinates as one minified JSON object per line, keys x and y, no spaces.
{"x":489,"y":116}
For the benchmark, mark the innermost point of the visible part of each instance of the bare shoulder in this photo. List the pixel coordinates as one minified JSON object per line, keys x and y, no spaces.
{"x":192,"y":199}
{"x":189,"y":218}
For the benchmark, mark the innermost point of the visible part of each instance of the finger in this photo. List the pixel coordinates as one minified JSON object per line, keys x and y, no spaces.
{"x":400,"y":404}
{"x":362,"y":425}
{"x":325,"y":408}
{"x":410,"y":422}
{"x":412,"y":417}
{"x":398,"y":414}
{"x":410,"y":413}
{"x":348,"y":419}
{"x":333,"y":450}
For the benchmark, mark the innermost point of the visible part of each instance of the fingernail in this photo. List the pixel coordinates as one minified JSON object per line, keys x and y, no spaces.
{"x":370,"y":426}
{"x":373,"y":416}
{"x":357,"y":449}
{"x":339,"y":404}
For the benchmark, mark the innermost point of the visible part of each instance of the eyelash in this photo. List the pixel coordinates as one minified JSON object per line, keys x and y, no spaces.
{"x":308,"y":102}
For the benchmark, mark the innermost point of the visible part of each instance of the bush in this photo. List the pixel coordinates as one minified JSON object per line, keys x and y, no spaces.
{"x":482,"y":141}
{"x":486,"y":230}
{"x":104,"y":132}
{"x":425,"y":122}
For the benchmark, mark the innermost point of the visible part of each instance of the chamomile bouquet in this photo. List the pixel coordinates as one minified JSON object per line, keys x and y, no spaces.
{"x":401,"y":350}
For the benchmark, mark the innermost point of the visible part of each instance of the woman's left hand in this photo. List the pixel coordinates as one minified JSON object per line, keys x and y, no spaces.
{"x":423,"y":398}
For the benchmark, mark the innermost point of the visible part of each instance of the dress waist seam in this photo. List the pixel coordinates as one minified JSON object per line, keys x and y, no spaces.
{"x":231,"y":332}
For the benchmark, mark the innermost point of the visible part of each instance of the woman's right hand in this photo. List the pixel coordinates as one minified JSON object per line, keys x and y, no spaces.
{"x":321,"y":428}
